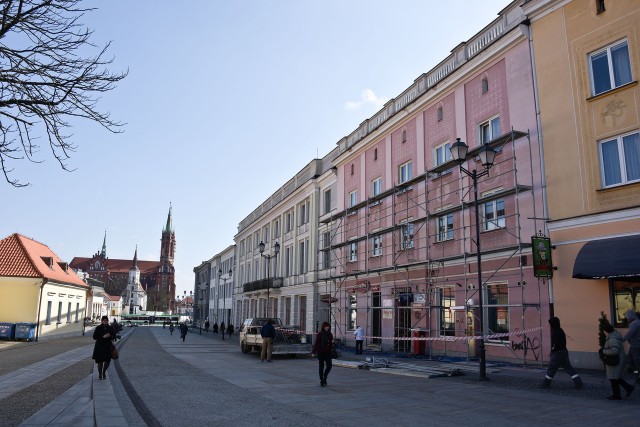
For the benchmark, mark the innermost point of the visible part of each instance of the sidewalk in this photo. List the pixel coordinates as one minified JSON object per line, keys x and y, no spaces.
{"x":78,"y":406}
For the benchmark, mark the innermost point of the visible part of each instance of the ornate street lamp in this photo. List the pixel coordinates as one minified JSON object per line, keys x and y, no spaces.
{"x":459,"y":152}
{"x":224,"y":298}
{"x":276,"y":251}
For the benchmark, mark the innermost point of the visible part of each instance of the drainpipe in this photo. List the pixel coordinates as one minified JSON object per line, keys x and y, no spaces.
{"x":543,"y":180}
{"x":44,"y":282}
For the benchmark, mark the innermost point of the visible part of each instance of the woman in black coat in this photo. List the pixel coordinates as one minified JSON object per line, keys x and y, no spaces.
{"x":322,"y":348}
{"x":103,"y":335}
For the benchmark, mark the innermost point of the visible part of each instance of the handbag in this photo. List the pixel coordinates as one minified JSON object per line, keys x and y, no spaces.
{"x":611,"y":359}
{"x":114,"y":352}
{"x":334,"y":353}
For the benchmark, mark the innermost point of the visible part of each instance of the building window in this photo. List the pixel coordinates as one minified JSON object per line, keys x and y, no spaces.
{"x":327,"y":201}
{"x":376,"y":246}
{"x":376,"y":187}
{"x":48,"y":319}
{"x":498,"y":308}
{"x":447,"y":321}
{"x":69,"y":313}
{"x":352,"y":168}
{"x":439,"y":114}
{"x":326,"y":259}
{"x":494,"y":217}
{"x":626,"y":296}
{"x":59,"y":320}
{"x":407,"y":236}
{"x":489,"y":130}
{"x":620,"y":159}
{"x":303,"y":214}
{"x":288,"y":261}
{"x":610,"y":67}
{"x":442,"y":154}
{"x":599,"y":7}
{"x":289,"y":222}
{"x":404,"y":135}
{"x":302,"y":257}
{"x":485,"y":85}
{"x":353,"y":252}
{"x":375,"y":154}
{"x":276,"y":229}
{"x":405,"y":172}
{"x":353,"y":198}
{"x":353,"y":312}
{"x":444,"y":228}
{"x":77,"y":311}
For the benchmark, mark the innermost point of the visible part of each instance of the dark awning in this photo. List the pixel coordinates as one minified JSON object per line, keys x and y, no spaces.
{"x":609,"y":258}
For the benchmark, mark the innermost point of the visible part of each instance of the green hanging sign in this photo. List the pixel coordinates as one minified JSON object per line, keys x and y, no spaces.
{"x":542,"y":264}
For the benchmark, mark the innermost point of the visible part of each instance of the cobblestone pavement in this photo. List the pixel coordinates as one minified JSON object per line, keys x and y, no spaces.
{"x":160,"y":380}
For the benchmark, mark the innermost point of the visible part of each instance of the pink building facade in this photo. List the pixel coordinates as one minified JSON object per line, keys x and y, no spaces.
{"x":398,"y":254}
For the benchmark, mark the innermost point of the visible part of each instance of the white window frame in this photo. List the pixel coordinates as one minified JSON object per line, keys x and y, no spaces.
{"x":407,"y":233}
{"x":327,"y":201}
{"x":405,"y":172}
{"x":376,"y":187}
{"x":486,"y":131}
{"x":622,"y":160}
{"x":353,"y":251}
{"x":353,"y":198}
{"x":612,"y":82}
{"x":497,"y":222}
{"x":376,"y":246}
{"x":444,"y":227}
{"x":442,"y":153}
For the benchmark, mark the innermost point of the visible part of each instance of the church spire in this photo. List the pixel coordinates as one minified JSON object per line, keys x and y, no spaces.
{"x":169,"y":227}
{"x":135,"y":258}
{"x":104,"y":245}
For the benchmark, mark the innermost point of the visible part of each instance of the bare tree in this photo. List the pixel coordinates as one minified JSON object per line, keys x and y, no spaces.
{"x":47,"y":79}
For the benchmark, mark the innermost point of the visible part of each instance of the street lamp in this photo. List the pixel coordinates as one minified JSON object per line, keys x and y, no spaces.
{"x":224,"y":298}
{"x":276,"y":251}
{"x":487,"y":155}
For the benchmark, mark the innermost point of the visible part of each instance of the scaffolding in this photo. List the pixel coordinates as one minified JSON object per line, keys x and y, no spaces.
{"x":401,"y":255}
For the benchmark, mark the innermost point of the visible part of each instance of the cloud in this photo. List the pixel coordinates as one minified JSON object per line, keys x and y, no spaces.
{"x":366,"y":97}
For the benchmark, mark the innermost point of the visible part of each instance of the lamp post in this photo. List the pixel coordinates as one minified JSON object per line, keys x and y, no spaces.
{"x":276,"y":251}
{"x":487,"y":155}
{"x":224,"y":298}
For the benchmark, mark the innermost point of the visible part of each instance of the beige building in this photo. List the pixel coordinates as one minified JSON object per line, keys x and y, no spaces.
{"x":38,"y":288}
{"x":587,"y":65}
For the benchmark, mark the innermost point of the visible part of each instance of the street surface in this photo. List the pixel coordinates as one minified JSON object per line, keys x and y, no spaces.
{"x":161,"y":381}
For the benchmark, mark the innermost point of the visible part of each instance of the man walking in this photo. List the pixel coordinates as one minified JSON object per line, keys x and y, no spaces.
{"x":359,"y":334}
{"x":559,"y":356}
{"x":633,"y":336}
{"x":268,"y":333}
{"x":183,"y":331}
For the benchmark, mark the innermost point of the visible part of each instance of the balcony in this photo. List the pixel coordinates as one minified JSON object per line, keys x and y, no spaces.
{"x":262,"y":284}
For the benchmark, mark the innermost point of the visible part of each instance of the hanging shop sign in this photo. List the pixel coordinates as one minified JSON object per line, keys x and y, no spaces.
{"x":542,"y":263}
{"x":328,"y":299}
{"x":361,"y":286}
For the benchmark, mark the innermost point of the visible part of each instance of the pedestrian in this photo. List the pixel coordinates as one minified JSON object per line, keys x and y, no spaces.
{"x":359,"y":334}
{"x":116,"y":328}
{"x":268,"y":333}
{"x":633,"y":336}
{"x":230,"y":329}
{"x":206,"y":326}
{"x":171,"y":328}
{"x":183,"y":331}
{"x":222,"y":327}
{"x":322,"y":348}
{"x":164,"y":324}
{"x":215,"y":328}
{"x":559,"y":357}
{"x":103,"y":334}
{"x":614,"y":346}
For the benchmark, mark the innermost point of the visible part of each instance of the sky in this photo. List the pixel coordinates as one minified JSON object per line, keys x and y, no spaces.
{"x":225,"y":101}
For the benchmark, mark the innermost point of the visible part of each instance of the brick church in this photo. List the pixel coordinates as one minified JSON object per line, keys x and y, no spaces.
{"x":157,"y":278}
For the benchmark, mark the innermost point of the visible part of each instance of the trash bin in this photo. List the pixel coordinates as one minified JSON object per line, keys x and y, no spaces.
{"x":419,"y":346}
{"x":7,"y":330}
{"x":25,"y":331}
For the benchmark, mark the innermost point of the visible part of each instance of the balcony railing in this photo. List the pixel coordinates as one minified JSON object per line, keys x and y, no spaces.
{"x":262,"y":284}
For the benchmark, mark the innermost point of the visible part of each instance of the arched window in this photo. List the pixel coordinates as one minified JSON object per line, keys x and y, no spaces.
{"x":485,"y":85}
{"x":97,"y":265}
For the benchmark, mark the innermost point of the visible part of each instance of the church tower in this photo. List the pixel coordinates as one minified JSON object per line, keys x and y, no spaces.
{"x":168,"y":245}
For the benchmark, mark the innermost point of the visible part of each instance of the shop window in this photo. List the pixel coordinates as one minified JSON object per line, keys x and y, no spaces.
{"x":626,"y":296}
{"x":353,"y":312}
{"x":447,"y":320}
{"x":498,"y":308}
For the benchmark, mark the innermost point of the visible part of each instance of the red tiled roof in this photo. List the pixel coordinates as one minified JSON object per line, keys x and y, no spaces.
{"x":116,"y":265}
{"x":21,"y":256}
{"x":112,"y":297}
